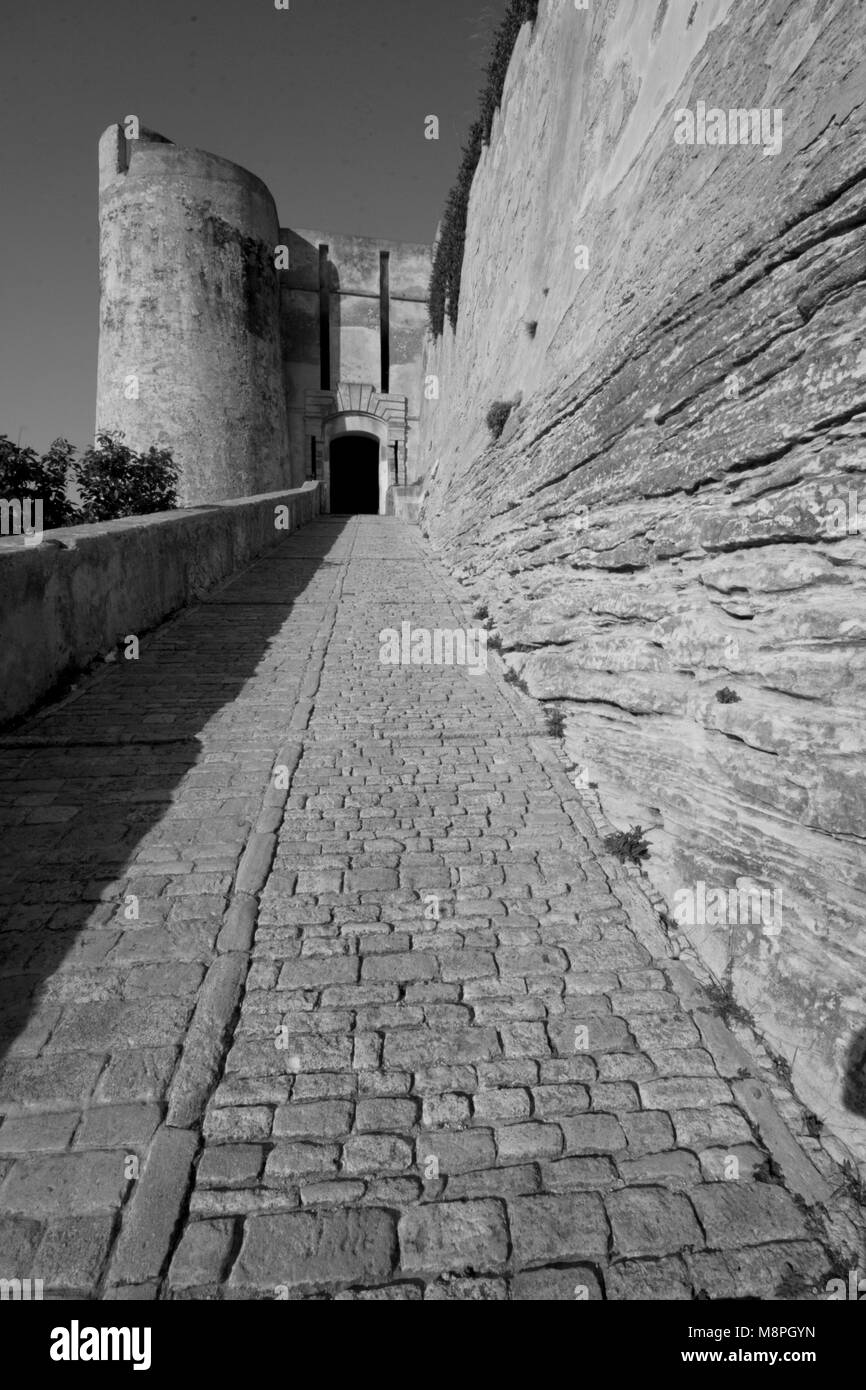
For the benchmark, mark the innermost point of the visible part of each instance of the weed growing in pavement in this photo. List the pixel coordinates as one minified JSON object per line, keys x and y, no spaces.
{"x":555,"y":723}
{"x":722,"y":999}
{"x":629,"y":846}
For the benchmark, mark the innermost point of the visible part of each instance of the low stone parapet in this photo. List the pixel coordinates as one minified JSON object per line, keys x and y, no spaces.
{"x":80,"y":591}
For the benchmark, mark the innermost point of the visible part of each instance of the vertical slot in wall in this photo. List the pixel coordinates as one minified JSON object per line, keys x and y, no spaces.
{"x":385,"y":317}
{"x":324,"y":319}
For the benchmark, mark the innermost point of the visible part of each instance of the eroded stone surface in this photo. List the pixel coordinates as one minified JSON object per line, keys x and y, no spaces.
{"x":670,"y":536}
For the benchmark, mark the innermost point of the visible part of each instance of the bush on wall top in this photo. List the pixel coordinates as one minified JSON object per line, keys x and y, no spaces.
{"x":448,"y":260}
{"x":112,"y":480}
{"x":24,"y":474}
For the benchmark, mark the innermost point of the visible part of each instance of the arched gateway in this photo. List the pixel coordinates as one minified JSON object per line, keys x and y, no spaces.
{"x":359,"y":433}
{"x":354,"y":469}
{"x":357,"y":463}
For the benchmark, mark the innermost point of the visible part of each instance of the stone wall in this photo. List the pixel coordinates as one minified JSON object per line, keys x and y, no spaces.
{"x":189,"y":332}
{"x":211,"y":349}
{"x":85,"y":589}
{"x":353,"y":271}
{"x":667,"y":534}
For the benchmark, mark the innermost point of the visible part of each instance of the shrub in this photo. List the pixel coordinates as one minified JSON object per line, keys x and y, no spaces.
{"x":497,"y":417}
{"x":512,"y":678}
{"x":769,"y":1171}
{"x":722,"y":998}
{"x":444,"y":298}
{"x":555,"y":723}
{"x":24,"y":473}
{"x":728,"y":696}
{"x":112,"y":480}
{"x":629,"y":846}
{"x":115,"y":481}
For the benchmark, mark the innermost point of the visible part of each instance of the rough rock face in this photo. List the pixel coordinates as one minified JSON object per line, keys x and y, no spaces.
{"x":669,"y":534}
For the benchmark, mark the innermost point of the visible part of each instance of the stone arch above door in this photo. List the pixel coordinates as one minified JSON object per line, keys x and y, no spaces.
{"x":358,"y":408}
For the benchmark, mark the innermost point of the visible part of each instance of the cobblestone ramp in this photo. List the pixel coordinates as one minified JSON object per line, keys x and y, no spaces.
{"x":316,"y":983}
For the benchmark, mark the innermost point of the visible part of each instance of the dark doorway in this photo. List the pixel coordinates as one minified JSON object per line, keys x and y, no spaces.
{"x":355,"y":475}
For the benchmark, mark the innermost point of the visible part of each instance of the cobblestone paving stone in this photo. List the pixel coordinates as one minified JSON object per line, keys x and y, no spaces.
{"x":317,"y":983}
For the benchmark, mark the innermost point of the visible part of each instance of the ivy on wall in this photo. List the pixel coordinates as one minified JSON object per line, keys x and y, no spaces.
{"x":448,"y":261}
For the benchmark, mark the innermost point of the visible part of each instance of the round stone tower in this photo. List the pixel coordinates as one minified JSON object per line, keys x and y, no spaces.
{"x":189,"y":327}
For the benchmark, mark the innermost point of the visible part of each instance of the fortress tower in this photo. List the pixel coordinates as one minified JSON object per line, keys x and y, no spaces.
{"x":257,"y":377}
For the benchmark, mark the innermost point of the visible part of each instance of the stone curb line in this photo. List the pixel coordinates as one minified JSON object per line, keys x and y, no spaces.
{"x":150,"y":1219}
{"x":151,"y":1222}
{"x":207,"y":1036}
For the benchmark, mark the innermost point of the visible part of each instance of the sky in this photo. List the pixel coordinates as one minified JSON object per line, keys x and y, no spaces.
{"x":325,"y":101}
